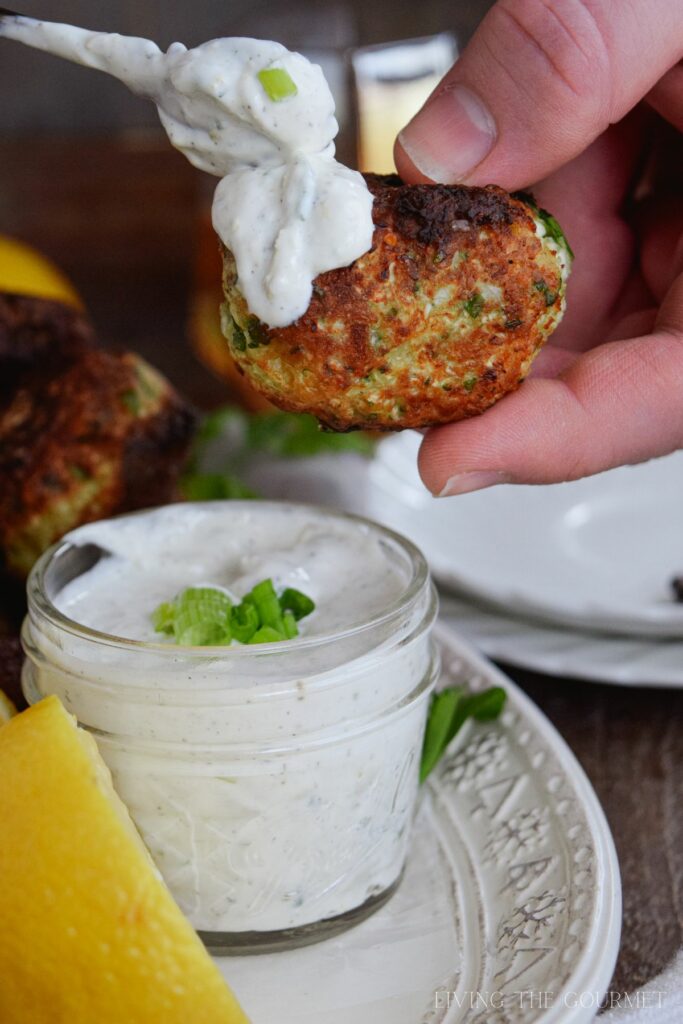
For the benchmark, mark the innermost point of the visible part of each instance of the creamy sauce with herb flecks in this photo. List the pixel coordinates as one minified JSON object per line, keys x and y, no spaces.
{"x":285,"y":207}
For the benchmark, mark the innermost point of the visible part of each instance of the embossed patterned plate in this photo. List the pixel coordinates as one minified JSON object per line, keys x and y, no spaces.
{"x":508,"y":913}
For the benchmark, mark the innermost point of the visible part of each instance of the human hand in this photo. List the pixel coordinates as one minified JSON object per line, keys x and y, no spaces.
{"x":584,"y":97}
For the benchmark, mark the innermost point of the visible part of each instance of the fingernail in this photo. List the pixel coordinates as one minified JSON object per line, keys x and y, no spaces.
{"x":463,"y":483}
{"x":450,"y":136}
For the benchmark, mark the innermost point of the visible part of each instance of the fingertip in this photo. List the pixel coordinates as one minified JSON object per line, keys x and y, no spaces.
{"x":405,"y":167}
{"x":432,"y":476}
{"x":449,"y":137}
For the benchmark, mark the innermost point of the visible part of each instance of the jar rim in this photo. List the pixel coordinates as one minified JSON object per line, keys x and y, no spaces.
{"x":38,"y":599}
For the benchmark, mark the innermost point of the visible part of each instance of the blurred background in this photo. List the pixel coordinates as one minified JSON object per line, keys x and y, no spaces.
{"x":88,"y":177}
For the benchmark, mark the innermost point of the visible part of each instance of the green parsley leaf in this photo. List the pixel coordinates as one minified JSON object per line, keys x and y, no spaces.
{"x":474,"y":305}
{"x":441,"y":712}
{"x":548,"y":294}
{"x":230,"y":437}
{"x":214,"y":487}
{"x":487,"y":705}
{"x":298,"y":435}
{"x":278,"y":84}
{"x":131,"y":400}
{"x":552,"y":227}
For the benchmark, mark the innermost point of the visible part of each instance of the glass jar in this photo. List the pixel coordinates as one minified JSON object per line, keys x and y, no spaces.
{"x":274,"y":785}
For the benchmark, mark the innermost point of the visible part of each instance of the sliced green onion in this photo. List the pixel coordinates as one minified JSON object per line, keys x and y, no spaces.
{"x":202,"y":617}
{"x":163,"y":618}
{"x":244,"y":621}
{"x":289,"y":623}
{"x":300,"y":605}
{"x":201,"y":634}
{"x":206,"y":616}
{"x":277,"y":83}
{"x":198,"y":617}
{"x":266,"y":635}
{"x":267,"y":605}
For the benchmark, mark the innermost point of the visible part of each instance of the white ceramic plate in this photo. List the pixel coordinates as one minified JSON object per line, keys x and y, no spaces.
{"x":596,"y":554}
{"x":510,"y":907}
{"x":625,"y":661}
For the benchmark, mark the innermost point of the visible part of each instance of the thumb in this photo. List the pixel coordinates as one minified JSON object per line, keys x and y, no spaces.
{"x":539,"y":81}
{"x":619,"y":403}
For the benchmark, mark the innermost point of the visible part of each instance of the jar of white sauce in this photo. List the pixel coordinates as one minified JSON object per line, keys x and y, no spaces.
{"x":273,"y":784}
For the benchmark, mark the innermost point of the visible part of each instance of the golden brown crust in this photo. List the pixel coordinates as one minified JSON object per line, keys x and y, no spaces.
{"x":435,"y":323}
{"x":101,"y":434}
{"x":37,"y":332}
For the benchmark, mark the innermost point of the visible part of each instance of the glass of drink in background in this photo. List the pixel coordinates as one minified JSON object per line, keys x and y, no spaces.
{"x":391,"y":82}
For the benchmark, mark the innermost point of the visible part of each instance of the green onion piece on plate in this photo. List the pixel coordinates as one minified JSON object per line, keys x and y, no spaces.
{"x":448,"y":712}
{"x":441,"y":712}
{"x":278,"y":84}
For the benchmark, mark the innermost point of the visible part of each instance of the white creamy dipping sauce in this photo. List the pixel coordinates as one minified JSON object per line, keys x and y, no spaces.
{"x":273,"y":785}
{"x":285,"y":207}
{"x":155,"y":557}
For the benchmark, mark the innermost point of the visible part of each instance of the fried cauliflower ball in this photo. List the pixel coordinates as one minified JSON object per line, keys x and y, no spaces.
{"x":94,"y":435}
{"x":38,"y":332}
{"x":440,"y":319}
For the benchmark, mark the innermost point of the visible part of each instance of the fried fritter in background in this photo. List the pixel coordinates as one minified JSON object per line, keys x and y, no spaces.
{"x":84,"y":433}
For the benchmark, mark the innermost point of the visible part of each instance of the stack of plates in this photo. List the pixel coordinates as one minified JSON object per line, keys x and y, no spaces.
{"x":572,"y":579}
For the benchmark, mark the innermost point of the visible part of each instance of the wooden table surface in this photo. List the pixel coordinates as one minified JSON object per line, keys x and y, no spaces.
{"x":120,"y":217}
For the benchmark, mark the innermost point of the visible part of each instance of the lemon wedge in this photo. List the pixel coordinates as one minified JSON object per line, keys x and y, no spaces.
{"x":24,"y":271}
{"x":7,"y":708}
{"x":88,"y":930}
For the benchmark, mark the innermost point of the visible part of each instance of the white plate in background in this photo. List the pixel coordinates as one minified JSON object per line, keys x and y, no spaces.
{"x":541,"y":647}
{"x":595,"y":554}
{"x":387,"y":488}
